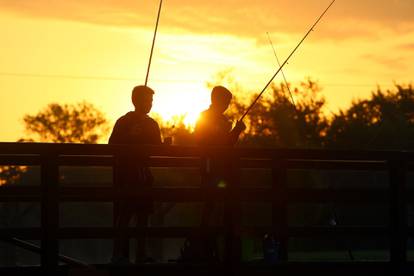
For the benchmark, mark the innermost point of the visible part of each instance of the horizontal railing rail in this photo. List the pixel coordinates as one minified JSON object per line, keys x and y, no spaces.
{"x":50,"y":193}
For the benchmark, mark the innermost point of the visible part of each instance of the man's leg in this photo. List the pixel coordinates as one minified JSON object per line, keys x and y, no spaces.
{"x":206,"y":214}
{"x":121,"y":241}
{"x":208,"y":242}
{"x":140,"y":249}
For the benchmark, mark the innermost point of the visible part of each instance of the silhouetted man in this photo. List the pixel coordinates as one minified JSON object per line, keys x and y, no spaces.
{"x":215,"y":129}
{"x":134,"y":128}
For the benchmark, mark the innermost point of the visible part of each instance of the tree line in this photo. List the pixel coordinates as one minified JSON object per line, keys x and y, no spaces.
{"x":383,"y":121}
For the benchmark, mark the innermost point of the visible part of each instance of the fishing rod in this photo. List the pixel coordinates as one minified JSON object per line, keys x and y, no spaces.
{"x":283,"y":74}
{"x":37,"y":249}
{"x":153,"y":42}
{"x":287,"y":59}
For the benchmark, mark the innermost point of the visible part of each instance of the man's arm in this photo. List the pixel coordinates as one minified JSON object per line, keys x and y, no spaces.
{"x":156,"y":136}
{"x":235,"y":132}
{"x":116,"y":137}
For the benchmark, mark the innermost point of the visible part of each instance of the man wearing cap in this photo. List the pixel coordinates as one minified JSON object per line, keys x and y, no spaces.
{"x":134,"y":128}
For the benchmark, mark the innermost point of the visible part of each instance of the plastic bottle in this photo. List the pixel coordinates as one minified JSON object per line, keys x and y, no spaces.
{"x":270,"y":249}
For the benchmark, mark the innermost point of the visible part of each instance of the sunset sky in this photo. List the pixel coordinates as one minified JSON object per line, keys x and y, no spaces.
{"x":67,"y":51}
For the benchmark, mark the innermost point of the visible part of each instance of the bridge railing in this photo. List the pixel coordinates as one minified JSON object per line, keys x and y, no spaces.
{"x":50,"y":157}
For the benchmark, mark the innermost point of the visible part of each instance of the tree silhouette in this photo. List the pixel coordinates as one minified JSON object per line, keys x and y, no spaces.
{"x":11,"y":174}
{"x":176,"y":129}
{"x":68,"y":123}
{"x":77,"y":123}
{"x":384,"y":121}
{"x":275,"y":122}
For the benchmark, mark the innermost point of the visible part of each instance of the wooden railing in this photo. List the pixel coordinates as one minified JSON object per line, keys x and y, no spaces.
{"x":50,"y":194}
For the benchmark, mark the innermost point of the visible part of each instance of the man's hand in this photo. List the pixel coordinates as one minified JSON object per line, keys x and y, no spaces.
{"x":240,"y":127}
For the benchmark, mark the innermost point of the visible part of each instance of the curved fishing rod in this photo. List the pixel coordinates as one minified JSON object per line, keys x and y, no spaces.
{"x":283,"y":74}
{"x":287,"y":59}
{"x":153,"y":43}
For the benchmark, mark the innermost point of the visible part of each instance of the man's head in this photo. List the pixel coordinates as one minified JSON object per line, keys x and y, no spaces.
{"x":142,"y":98}
{"x":220,"y":98}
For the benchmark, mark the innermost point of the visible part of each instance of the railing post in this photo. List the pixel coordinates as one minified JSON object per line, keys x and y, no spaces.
{"x":50,"y":213}
{"x":398,"y":218}
{"x":279,"y":206}
{"x":115,"y":201}
{"x":120,"y":239}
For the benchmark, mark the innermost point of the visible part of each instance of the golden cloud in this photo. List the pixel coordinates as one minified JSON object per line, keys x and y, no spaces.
{"x":236,"y":17}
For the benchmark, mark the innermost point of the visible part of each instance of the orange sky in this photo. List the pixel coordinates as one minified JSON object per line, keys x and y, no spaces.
{"x":97,"y":50}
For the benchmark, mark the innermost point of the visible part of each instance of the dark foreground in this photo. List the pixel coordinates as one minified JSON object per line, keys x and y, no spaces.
{"x":337,"y":269}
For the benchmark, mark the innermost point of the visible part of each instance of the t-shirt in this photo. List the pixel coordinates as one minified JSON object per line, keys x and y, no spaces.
{"x":135,"y":129}
{"x":213,"y":129}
